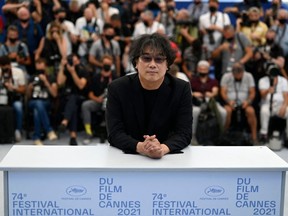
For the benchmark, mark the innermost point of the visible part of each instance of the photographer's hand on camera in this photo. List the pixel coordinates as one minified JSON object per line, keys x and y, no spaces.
{"x":44,"y":79}
{"x":9,"y":85}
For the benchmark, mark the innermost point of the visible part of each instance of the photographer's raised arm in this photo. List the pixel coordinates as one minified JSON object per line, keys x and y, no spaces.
{"x":61,"y":78}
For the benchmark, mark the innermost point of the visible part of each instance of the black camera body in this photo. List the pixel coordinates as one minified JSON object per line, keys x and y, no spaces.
{"x":272,"y":70}
{"x":245,"y":19}
{"x":238,"y":105}
{"x":6,"y":75}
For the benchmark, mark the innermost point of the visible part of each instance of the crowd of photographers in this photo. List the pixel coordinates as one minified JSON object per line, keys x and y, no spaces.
{"x":57,"y":58}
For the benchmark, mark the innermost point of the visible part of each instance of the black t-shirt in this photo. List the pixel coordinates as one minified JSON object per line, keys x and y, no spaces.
{"x":99,"y":83}
{"x":149,"y":97}
{"x":40,"y":91}
{"x":70,"y":86}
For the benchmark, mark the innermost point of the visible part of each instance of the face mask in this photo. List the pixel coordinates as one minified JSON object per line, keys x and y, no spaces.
{"x":24,"y":20}
{"x":212,"y":9}
{"x":13,"y":40}
{"x":61,"y":19}
{"x":109,"y":37}
{"x":106,"y":67}
{"x":282,"y":21}
{"x":146,"y":23}
{"x":254,"y":22}
{"x":88,"y":21}
{"x":202,"y":74}
{"x":40,"y":71}
{"x":269,"y":41}
{"x":230,"y":39}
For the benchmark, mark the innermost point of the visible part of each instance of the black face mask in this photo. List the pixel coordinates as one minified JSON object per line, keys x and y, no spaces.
{"x":106,"y":67}
{"x":282,"y":21}
{"x":61,"y":19}
{"x":109,"y":37}
{"x":88,"y":21}
{"x":269,"y":41}
{"x":40,"y":71}
{"x":24,"y":20}
{"x":212,"y":9}
{"x":146,"y":23}
{"x":230,"y":39}
{"x":202,"y":74}
{"x":13,"y":40}
{"x":254,"y":22}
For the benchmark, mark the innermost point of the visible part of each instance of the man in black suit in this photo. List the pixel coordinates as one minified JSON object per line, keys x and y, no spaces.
{"x":150,"y":112}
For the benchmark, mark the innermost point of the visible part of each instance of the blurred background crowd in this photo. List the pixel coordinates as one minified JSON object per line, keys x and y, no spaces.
{"x":57,"y":58}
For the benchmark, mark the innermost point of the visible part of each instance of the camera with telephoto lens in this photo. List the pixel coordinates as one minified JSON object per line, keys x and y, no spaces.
{"x":272,"y":70}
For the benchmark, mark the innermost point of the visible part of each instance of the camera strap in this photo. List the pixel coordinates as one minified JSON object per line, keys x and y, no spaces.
{"x":237,"y":89}
{"x":283,"y":33}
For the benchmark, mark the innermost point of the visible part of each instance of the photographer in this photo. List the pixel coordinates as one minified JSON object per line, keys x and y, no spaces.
{"x":196,"y":9}
{"x":238,"y":92}
{"x":16,"y":50}
{"x":53,"y":47}
{"x":88,"y":29}
{"x":274,"y":99}
{"x":232,"y":47}
{"x":270,"y":52}
{"x":211,"y":25}
{"x":281,"y":29}
{"x":255,"y":30}
{"x":240,"y":9}
{"x":72,"y":78}
{"x":185,"y":31}
{"x":97,"y":95}
{"x":41,"y":88}
{"x":147,"y":25}
{"x":166,"y":16}
{"x":13,"y":80}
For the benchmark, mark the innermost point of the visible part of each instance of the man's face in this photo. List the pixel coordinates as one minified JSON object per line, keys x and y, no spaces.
{"x":254,"y":16}
{"x":152,"y":67}
{"x":238,"y":76}
{"x":40,"y":66}
{"x":12,"y":34}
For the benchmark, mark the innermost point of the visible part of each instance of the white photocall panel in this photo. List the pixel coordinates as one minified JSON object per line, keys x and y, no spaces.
{"x":144,"y":193}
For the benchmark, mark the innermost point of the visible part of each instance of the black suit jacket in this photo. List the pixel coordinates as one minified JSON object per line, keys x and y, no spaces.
{"x":171,"y":118}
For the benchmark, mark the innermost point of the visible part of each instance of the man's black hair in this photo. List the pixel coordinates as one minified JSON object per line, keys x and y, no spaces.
{"x":155,"y":41}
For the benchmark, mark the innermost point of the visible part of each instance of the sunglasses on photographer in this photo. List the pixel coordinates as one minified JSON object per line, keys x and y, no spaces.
{"x":148,"y":59}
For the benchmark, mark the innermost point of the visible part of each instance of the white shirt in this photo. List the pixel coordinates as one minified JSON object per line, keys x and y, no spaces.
{"x":141,"y":29}
{"x":111,"y":11}
{"x":81,"y":23}
{"x":219,"y":19}
{"x":282,"y":86}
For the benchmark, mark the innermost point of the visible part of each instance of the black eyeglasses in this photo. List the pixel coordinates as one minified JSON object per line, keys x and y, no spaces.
{"x":148,"y":58}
